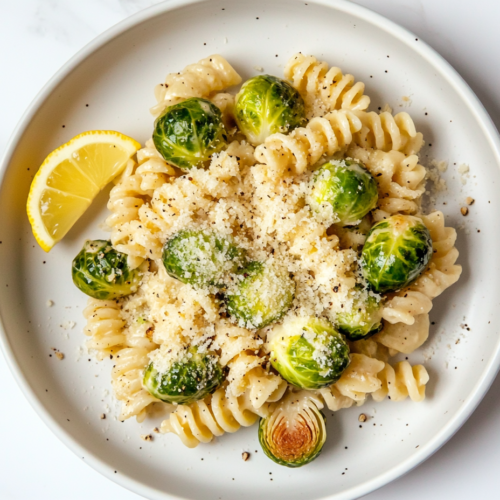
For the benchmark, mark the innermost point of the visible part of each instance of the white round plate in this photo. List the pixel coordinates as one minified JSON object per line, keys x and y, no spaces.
{"x":109,"y":85}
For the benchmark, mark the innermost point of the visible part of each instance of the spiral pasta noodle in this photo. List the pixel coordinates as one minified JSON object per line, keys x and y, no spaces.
{"x":201,"y":79}
{"x":386,"y":132}
{"x":240,"y":352}
{"x":360,"y":378}
{"x":367,"y":375}
{"x":104,"y":326}
{"x":400,"y":180}
{"x":304,"y":146}
{"x":402,"y":381}
{"x":217,"y":414}
{"x":126,"y":379}
{"x":132,"y":223}
{"x":324,"y":88}
{"x":406,"y":312}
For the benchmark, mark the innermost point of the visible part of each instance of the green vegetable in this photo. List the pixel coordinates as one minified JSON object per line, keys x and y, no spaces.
{"x":191,"y":377}
{"x":266,"y":105}
{"x":294,"y":434}
{"x":200,"y":258}
{"x":364,"y":319}
{"x":308,"y":352}
{"x":189,"y":133}
{"x":101,"y":272}
{"x":344,"y":189}
{"x":396,"y":252}
{"x":263,"y":295}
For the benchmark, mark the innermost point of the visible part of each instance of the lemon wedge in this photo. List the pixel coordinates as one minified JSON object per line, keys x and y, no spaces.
{"x":71,"y":177}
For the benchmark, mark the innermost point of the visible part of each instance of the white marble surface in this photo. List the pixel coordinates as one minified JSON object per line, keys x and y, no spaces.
{"x":36,"y":38}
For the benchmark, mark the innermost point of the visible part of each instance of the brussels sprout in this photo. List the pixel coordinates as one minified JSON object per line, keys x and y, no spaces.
{"x":189,"y":133}
{"x":294,"y":434}
{"x":363,"y":320}
{"x":396,"y":251}
{"x":101,"y":272}
{"x":200,"y":258}
{"x":308,"y":352}
{"x":191,"y":377}
{"x":344,"y":189}
{"x":266,"y":105}
{"x":263,"y":295}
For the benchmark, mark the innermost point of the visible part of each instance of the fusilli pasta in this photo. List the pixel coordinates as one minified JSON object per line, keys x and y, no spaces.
{"x":126,"y":378}
{"x":217,"y":414}
{"x":104,"y":326}
{"x":386,"y":132}
{"x":201,"y":79}
{"x":367,"y":375}
{"x":240,"y":352}
{"x":402,"y":381}
{"x":324,"y":89}
{"x":304,"y":146}
{"x":400,"y":179}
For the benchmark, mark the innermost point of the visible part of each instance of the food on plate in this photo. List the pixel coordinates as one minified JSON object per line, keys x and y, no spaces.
{"x":189,"y":133}
{"x":308,"y":352}
{"x":396,"y":251}
{"x":267,"y":105}
{"x":268,"y":257}
{"x":185,"y":377}
{"x":103,"y":273}
{"x":71,"y":177}
{"x":365,"y":317}
{"x":261,"y":294}
{"x":201,"y":258}
{"x":293,"y":435}
{"x":343,"y":191}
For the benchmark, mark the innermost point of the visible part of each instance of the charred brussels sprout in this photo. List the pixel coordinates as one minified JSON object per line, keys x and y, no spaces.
{"x":102,"y":272}
{"x":294,"y":434}
{"x":189,"y":378}
{"x":263,"y":295}
{"x":308,"y":352}
{"x":266,"y":105}
{"x":364,"y":319}
{"x":344,"y":189}
{"x":189,"y":133}
{"x":200,"y":258}
{"x":396,"y":251}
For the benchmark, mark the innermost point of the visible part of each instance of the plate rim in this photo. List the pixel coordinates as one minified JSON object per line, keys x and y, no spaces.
{"x":405,"y":36}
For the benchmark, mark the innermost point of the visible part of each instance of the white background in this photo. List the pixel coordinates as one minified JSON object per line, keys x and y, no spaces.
{"x":36,"y":38}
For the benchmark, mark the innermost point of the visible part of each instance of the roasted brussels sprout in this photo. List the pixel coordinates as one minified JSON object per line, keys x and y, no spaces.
{"x":189,"y":133}
{"x":364,"y":319}
{"x":102,"y":272}
{"x":200,"y":257}
{"x":189,"y":378}
{"x":295,"y":432}
{"x":308,"y":352}
{"x":263,"y":295}
{"x":266,"y":105}
{"x":343,"y":189}
{"x":396,"y":251}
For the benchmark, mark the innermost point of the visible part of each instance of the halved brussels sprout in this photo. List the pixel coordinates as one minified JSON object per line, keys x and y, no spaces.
{"x":344,"y":189}
{"x":294,"y":434}
{"x":364,"y":319}
{"x":103,"y":273}
{"x":191,"y":377}
{"x":200,"y":257}
{"x":263,"y":295}
{"x":266,"y":105}
{"x":189,"y":133}
{"x":396,"y":252}
{"x":308,"y":352}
